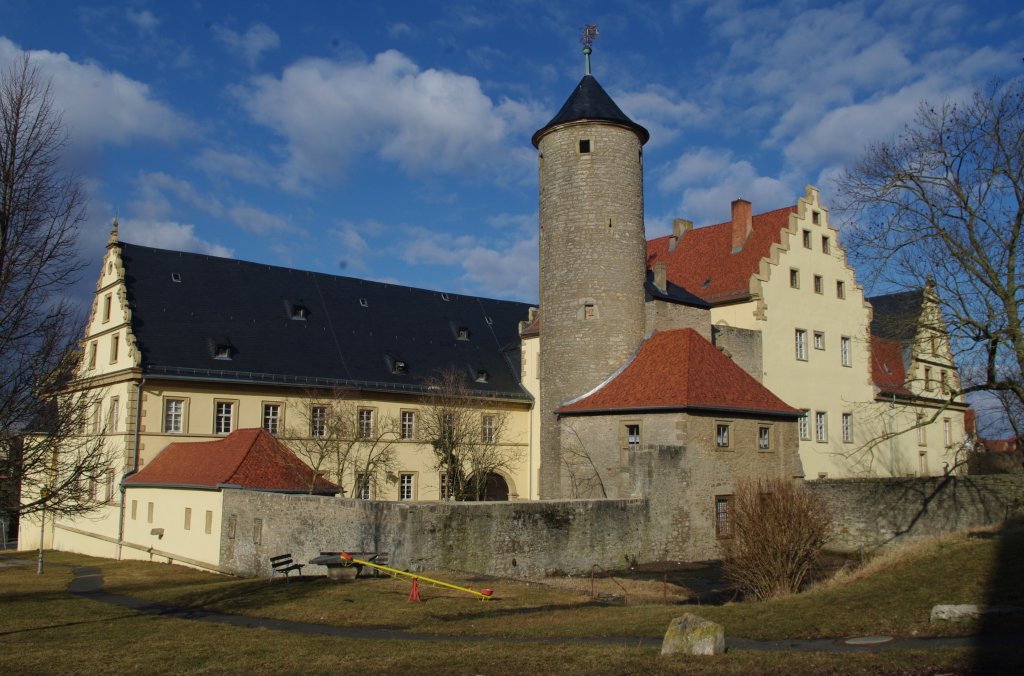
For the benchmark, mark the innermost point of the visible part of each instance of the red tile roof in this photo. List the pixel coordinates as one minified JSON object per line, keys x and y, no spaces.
{"x":679,"y":369}
{"x":703,"y":262}
{"x":887,"y":368}
{"x":250,"y":458}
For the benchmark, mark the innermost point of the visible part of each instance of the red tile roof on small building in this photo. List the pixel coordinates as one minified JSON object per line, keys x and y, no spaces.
{"x":887,"y":369}
{"x":679,"y":369}
{"x":703,"y":262}
{"x":249,"y":458}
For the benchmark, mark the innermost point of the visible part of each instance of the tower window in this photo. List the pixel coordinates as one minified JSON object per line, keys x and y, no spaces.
{"x":462,"y":333}
{"x":584,"y":146}
{"x":299,"y":312}
{"x":175,"y":277}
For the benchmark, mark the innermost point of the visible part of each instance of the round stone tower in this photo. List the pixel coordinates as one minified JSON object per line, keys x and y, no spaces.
{"x":592,"y":254}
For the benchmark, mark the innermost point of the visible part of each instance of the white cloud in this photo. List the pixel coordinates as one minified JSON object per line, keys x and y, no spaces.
{"x":169,"y":235}
{"x":331,"y":112}
{"x":244,"y":167}
{"x":144,"y":20}
{"x":251,"y":44}
{"x":101,"y":106}
{"x":661,"y":111}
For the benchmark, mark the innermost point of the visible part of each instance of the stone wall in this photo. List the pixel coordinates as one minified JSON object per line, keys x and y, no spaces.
{"x":528,"y":539}
{"x":874,"y":513}
{"x":743,"y":346}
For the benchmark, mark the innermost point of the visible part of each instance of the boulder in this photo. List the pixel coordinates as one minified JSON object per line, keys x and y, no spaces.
{"x":968,"y":610}
{"x":693,"y":635}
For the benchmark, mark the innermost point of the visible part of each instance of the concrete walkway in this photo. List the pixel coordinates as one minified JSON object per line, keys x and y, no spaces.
{"x":88,"y":583}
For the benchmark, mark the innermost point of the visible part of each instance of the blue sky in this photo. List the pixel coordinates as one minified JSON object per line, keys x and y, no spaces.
{"x":391,"y":140}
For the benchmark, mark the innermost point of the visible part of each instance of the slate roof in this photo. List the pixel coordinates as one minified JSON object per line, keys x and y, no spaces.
{"x":353,"y":334}
{"x":249,"y":458}
{"x":680,"y":370}
{"x":896,"y":315}
{"x":589,"y":101}
{"x":703,"y":262}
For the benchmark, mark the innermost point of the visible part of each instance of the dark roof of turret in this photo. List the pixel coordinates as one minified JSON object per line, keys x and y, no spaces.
{"x":292,"y":327}
{"x":896,"y":315}
{"x":589,"y":101}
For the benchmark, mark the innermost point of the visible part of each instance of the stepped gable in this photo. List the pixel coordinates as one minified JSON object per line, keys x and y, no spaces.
{"x":703,"y":262}
{"x":896,"y":316}
{"x":589,"y":101}
{"x":680,"y":370}
{"x":351,"y":332}
{"x":250,"y":458}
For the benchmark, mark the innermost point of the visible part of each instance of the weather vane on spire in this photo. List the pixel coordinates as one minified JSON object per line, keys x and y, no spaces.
{"x":589,"y":35}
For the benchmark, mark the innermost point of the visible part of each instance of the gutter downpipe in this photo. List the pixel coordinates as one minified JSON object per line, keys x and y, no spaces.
{"x":135,"y":468}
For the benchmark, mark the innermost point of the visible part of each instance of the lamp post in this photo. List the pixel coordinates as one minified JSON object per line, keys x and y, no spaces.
{"x":44,"y":493}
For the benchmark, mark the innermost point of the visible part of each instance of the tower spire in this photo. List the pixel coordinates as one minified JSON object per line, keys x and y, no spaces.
{"x":589,"y":35}
{"x":113,"y":232}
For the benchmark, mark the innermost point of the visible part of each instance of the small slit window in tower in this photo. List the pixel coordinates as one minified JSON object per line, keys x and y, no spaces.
{"x":482,"y":376}
{"x":175,"y":277}
{"x":584,"y":146}
{"x":588,"y":311}
{"x":363,"y":303}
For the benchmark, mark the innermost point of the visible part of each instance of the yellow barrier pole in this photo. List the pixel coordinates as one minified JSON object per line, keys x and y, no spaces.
{"x":484,"y":594}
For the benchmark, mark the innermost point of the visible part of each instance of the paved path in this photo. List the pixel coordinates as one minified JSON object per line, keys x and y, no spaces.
{"x":88,"y":583}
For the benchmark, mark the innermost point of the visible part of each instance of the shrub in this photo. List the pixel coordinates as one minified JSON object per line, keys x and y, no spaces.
{"x":778,"y":528}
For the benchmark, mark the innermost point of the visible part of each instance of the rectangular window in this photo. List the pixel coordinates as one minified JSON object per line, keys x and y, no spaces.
{"x":826,"y":245}
{"x":110,"y":485}
{"x":801,"y":344}
{"x":821,"y":426}
{"x":944,"y":381}
{"x":922,"y":463}
{"x":174,"y":415}
{"x":115,"y":345}
{"x":209,"y":522}
{"x":819,"y":340}
{"x":947,"y":432}
{"x":224,"y":417}
{"x":928,"y":379}
{"x":149,"y":512}
{"x":135,"y":509}
{"x":188,"y":518}
{"x":92,"y":355}
{"x":921,"y":437}
{"x":804,"y":424}
{"x":722,"y":435}
{"x":408,"y":425}
{"x":113,"y":415}
{"x":318,"y":422}
{"x":272,"y":418}
{"x":819,"y":284}
{"x":844,"y":351}
{"x":815,"y":217}
{"x":723,"y":516}
{"x":794,"y":278}
{"x":764,"y":437}
{"x":97,"y":418}
{"x":633,"y":437}
{"x":840,"y":289}
{"x":446,"y":491}
{"x":406,"y":484}
{"x":257,"y":531}
{"x":365,"y":423}
{"x":106,"y":308}
{"x":589,"y":311}
{"x":807,"y":239}
{"x":363,"y":486}
{"x":848,"y":428}
{"x":487,"y":431}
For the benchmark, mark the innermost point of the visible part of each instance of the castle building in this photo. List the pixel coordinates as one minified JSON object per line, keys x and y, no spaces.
{"x":676,"y":367}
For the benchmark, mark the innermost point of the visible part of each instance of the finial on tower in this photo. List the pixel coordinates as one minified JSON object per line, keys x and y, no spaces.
{"x":113,"y":233}
{"x":589,"y":35}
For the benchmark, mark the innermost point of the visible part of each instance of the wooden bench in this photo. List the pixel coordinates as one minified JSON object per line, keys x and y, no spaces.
{"x":284,"y":565}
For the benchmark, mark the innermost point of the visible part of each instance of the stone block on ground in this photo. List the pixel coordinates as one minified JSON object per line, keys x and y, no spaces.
{"x":690,"y":634}
{"x":963,"y":611}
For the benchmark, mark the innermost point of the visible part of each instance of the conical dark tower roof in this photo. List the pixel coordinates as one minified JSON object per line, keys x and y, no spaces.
{"x":589,"y":101}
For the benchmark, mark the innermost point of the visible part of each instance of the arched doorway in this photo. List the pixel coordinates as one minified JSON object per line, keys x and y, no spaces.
{"x":495,"y":487}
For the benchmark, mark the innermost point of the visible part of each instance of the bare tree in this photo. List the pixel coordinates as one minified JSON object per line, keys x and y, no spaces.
{"x":48,"y":424}
{"x":469,"y":440}
{"x":584,"y":478}
{"x":335,"y":433}
{"x":944,"y":202}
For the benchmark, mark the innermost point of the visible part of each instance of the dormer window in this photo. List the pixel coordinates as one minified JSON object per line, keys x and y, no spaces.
{"x":482,"y":376}
{"x":488,"y":320}
{"x":175,"y":277}
{"x":299,"y":312}
{"x":399,"y":367}
{"x":445,"y":297}
{"x":363,"y":303}
{"x":222,"y":351}
{"x":462,"y":333}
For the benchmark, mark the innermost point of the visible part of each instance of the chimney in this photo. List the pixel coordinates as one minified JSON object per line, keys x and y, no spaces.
{"x":741,"y":226}
{"x":680,"y":226}
{"x":660,"y":280}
